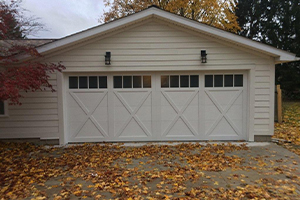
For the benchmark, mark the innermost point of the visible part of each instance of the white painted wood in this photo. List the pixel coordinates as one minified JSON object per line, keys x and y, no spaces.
{"x":87,"y":115}
{"x":61,"y":108}
{"x":37,"y":117}
{"x":226,"y":112}
{"x":155,"y":48}
{"x":156,"y":114}
{"x":272,"y":99}
{"x":162,"y":68}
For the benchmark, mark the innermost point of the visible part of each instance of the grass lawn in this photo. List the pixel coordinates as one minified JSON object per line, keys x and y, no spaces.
{"x":289,"y":130}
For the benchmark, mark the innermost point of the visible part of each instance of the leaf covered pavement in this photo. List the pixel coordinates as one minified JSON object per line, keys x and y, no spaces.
{"x":183,"y":171}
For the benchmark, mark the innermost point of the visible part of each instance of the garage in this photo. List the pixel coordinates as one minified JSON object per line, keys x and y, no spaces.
{"x":152,"y":76}
{"x":156,"y":106}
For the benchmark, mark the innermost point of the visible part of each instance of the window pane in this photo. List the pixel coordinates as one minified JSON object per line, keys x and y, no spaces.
{"x":184,"y":81}
{"x":127,"y":81}
{"x":1,"y":108}
{"x":164,"y":81}
{"x":117,"y":81}
{"x":218,"y":80}
{"x":209,"y":80}
{"x":174,"y":81}
{"x":137,"y":81}
{"x":228,"y":80}
{"x":83,"y":82}
{"x":194,"y":81}
{"x":146,"y":81}
{"x":103,"y":81}
{"x":238,"y":80}
{"x":73,"y":82}
{"x":93,"y":82}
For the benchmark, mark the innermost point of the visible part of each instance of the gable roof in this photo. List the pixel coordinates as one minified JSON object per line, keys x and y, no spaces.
{"x":279,"y":55}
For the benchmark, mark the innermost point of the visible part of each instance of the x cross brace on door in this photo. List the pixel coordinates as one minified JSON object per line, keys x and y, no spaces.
{"x":89,"y":114}
{"x":179,"y":113}
{"x":223,"y":113}
{"x":133,"y":114}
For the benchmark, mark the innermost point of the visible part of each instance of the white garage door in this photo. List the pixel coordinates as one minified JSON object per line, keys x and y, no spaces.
{"x":156,"y":107}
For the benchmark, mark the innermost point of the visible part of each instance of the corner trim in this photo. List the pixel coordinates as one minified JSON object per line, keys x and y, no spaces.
{"x":60,"y":107}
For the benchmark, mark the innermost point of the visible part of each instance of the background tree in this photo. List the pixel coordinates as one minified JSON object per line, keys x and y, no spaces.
{"x":13,"y":22}
{"x":218,"y":13}
{"x":274,"y":22}
{"x":20,"y":75}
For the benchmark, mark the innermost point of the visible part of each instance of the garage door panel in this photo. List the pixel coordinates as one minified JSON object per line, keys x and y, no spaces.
{"x":84,"y":111}
{"x":89,"y":130}
{"x":132,"y":113}
{"x":144,"y":113}
{"x":211,"y":114}
{"x":133,"y":130}
{"x":235,"y":113}
{"x":223,"y":128}
{"x":191,"y":113}
{"x":133,"y":99}
{"x":180,"y":128}
{"x":177,"y":99}
{"x":228,"y":112}
{"x":121,"y":115}
{"x":178,"y":108}
{"x":101,"y":113}
{"x":222,"y":98}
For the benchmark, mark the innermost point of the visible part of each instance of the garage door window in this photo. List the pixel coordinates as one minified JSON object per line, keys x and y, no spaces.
{"x":179,"y":81}
{"x":83,"y":82}
{"x":228,"y":80}
{"x":88,"y":82}
{"x":132,"y":82}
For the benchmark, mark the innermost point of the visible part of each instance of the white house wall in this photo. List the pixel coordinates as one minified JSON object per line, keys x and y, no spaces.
{"x":147,"y":47}
{"x":37,"y":117}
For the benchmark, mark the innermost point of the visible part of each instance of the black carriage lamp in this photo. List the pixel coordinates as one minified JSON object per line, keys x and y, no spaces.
{"x":107,"y":57}
{"x":203,"y":56}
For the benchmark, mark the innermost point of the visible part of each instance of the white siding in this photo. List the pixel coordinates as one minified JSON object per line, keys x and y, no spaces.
{"x":37,"y":117}
{"x":160,"y":45}
{"x":150,"y":46}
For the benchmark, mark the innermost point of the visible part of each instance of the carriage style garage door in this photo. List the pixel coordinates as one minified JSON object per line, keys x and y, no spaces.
{"x":156,"y":106}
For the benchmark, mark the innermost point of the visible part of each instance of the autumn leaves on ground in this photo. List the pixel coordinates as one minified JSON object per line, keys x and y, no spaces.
{"x":289,"y":131}
{"x":182,"y":171}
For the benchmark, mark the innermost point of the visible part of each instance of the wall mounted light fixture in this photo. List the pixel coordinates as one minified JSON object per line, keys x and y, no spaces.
{"x":107,"y":57}
{"x":203,"y":56}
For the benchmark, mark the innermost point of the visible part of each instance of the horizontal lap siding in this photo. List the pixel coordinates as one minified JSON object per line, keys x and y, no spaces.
{"x":153,"y":45}
{"x":149,"y":45}
{"x":159,"y":45}
{"x":263,"y":117}
{"x":37,"y":117}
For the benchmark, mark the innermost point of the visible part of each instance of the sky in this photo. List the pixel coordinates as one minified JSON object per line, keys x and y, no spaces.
{"x":64,"y":17}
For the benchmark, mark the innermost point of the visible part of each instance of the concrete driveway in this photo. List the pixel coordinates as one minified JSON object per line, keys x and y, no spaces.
{"x":164,"y":171}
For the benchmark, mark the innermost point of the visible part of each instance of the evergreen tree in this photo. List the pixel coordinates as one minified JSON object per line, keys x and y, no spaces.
{"x":277,"y":23}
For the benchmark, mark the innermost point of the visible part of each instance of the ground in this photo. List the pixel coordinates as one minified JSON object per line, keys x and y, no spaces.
{"x":289,"y":131}
{"x":166,"y":171}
